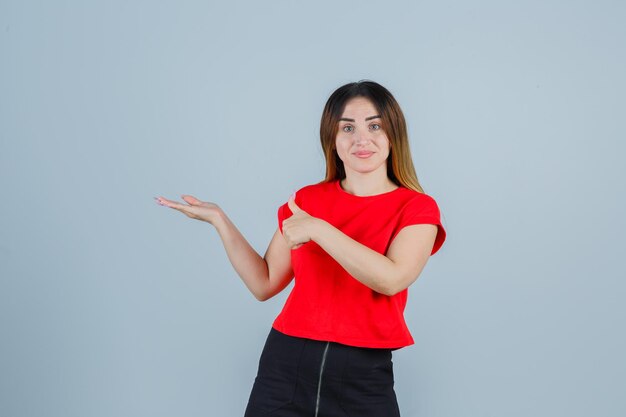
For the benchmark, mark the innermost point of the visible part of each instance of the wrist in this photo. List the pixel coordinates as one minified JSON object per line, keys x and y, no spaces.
{"x":220,"y":220}
{"x":318,"y":229}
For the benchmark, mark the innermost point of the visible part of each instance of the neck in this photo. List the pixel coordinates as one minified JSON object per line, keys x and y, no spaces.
{"x":364,"y":185}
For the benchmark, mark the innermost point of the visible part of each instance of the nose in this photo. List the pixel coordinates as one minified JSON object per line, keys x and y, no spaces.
{"x":362,"y":138}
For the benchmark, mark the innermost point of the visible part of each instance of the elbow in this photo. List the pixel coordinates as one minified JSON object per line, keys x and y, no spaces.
{"x":262,"y":292}
{"x":262,"y":296}
{"x":392,"y":288}
{"x":390,"y":292}
{"x":387,"y":289}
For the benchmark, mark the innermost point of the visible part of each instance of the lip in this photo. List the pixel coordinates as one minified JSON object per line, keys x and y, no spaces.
{"x":363,"y":154}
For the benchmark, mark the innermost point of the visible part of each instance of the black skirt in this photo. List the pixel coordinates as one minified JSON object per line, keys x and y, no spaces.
{"x":310,"y":378}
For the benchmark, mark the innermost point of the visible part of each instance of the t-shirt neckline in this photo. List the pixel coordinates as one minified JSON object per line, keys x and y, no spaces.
{"x":344,"y":192}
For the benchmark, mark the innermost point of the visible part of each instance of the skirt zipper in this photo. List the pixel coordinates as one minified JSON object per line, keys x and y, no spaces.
{"x":319,"y":382}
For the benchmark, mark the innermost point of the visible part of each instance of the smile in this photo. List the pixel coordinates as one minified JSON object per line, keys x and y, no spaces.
{"x":363,"y":154}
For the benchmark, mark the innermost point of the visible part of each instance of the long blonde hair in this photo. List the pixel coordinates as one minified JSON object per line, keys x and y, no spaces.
{"x":400,"y":167}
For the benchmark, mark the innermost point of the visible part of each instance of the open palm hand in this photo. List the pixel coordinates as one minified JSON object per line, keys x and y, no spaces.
{"x":195,"y":209}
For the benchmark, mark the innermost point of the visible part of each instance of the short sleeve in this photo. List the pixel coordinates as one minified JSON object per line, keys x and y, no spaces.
{"x":423,"y":210}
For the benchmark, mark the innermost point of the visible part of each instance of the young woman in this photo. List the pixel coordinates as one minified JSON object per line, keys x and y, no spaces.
{"x":354,"y":243}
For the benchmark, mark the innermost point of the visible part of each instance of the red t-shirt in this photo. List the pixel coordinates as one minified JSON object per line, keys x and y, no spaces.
{"x":326,"y":303}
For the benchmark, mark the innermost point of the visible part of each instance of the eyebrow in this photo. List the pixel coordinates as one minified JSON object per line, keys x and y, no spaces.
{"x":345,"y":119}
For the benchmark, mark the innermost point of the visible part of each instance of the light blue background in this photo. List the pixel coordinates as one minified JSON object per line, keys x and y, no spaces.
{"x":111,"y":305}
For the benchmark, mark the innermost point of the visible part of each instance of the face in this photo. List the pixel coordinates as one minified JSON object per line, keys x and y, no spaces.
{"x":361,"y":143}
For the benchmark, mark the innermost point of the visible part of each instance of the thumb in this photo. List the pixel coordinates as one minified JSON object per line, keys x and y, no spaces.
{"x":292,"y":204}
{"x":191,"y":200}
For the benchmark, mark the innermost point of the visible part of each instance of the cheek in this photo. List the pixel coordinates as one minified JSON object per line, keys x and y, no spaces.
{"x":341,"y":148}
{"x":382,"y":142}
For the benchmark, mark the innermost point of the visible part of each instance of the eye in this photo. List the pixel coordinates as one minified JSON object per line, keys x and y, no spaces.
{"x":348,"y":128}
{"x":375,"y":126}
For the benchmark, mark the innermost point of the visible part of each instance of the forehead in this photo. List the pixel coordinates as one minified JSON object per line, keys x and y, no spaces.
{"x":359,"y":108}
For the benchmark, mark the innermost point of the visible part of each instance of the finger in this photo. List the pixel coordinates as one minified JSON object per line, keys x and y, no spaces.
{"x":191,"y":200}
{"x":169,"y":203}
{"x":162,"y":201}
{"x":292,"y":204}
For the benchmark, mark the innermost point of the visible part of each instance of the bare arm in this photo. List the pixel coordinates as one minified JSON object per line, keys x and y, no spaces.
{"x":387,"y":274}
{"x":264,"y":276}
